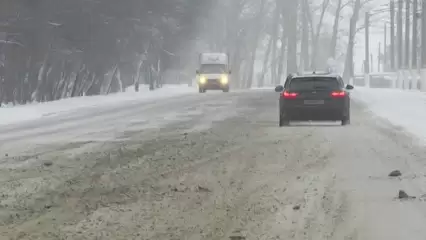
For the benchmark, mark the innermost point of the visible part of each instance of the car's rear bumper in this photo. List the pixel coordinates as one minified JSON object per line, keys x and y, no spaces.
{"x":314,"y":113}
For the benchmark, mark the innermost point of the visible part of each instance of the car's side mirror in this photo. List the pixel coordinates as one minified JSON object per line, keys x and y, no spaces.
{"x":279,"y":88}
{"x":197,"y":71}
{"x":349,"y":87}
{"x":229,"y":72}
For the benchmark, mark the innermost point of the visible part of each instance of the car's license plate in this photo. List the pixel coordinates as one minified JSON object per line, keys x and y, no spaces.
{"x":313,"y":102}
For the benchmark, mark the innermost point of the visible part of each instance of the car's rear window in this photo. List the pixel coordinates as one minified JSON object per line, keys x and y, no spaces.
{"x":308,"y":83}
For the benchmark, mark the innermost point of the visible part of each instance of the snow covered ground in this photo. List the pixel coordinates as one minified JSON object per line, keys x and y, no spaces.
{"x":160,"y":158}
{"x":263,"y":88}
{"x":14,"y":114}
{"x":27,"y":112}
{"x":402,"y":108}
{"x":406,"y":109}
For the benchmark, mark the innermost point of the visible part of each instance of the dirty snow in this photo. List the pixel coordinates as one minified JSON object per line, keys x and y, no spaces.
{"x":14,"y":114}
{"x":209,"y":167}
{"x":183,"y":181}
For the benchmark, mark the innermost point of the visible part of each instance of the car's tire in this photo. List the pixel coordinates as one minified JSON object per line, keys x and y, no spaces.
{"x":226,"y":90}
{"x":283,"y":121}
{"x":200,"y":90}
{"x":346,"y":120}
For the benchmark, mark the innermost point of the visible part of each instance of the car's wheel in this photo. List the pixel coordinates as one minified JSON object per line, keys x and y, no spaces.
{"x":346,"y":120}
{"x":283,"y":121}
{"x":226,"y":90}
{"x":200,"y":90}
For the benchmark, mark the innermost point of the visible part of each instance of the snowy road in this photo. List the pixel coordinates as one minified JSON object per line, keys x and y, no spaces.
{"x":204,"y":165}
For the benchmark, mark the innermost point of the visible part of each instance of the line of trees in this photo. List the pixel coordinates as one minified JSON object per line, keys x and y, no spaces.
{"x":53,"y":49}
{"x":269,"y":38}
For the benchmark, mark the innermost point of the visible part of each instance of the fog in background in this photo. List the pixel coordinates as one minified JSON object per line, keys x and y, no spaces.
{"x":53,"y":49}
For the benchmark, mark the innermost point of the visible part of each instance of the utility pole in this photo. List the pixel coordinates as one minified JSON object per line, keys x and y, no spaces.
{"x":423,"y":34}
{"x":407,"y":34}
{"x":419,"y":36}
{"x":423,"y":47}
{"x":400,"y":34}
{"x":414,"y":35}
{"x":392,"y":35}
{"x":367,"y":51}
{"x":305,"y":40}
{"x":378,"y":57}
{"x":385,"y":52}
{"x":367,"y":44}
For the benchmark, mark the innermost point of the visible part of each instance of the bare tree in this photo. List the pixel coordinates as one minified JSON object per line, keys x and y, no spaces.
{"x":292,"y":35}
{"x":349,"y":65}
{"x":316,"y":37}
{"x":82,"y":47}
{"x":339,"y":7}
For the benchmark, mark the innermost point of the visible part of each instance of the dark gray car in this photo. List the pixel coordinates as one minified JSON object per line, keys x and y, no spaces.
{"x":314,"y":98}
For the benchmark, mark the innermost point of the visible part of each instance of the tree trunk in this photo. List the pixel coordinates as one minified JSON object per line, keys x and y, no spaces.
{"x":275,"y":30}
{"x":136,"y":76}
{"x":304,"y":59}
{"x":39,"y":92}
{"x":151,"y":78}
{"x":255,"y":42}
{"x":114,"y":75}
{"x":78,"y":79}
{"x":283,"y":47}
{"x":414,"y":35}
{"x":349,"y":71}
{"x":333,"y":44}
{"x":317,"y":34}
{"x":292,"y":40}
{"x":261,"y":79}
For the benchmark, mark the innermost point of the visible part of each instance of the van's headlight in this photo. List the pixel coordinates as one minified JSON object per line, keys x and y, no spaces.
{"x":203,"y":79}
{"x":224,"y":79}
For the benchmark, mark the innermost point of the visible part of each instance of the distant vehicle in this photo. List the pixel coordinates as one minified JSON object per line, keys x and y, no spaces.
{"x":314,"y":98}
{"x":214,"y":72}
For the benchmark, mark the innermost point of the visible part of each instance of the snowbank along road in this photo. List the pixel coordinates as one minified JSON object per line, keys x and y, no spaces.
{"x":206,"y":167}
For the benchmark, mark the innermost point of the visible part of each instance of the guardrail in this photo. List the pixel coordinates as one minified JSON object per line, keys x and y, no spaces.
{"x":402,"y":80}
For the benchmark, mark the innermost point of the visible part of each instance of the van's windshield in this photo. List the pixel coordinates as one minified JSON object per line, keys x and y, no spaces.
{"x":213,"y":68}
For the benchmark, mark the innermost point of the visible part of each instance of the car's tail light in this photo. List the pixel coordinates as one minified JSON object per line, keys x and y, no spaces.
{"x":338,"y":94}
{"x":289,"y":95}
